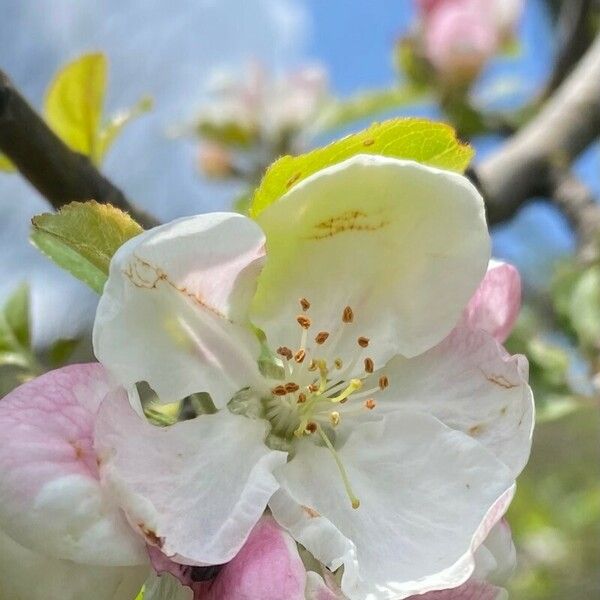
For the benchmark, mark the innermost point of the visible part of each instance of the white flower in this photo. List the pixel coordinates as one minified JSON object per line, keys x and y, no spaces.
{"x":380,"y":442}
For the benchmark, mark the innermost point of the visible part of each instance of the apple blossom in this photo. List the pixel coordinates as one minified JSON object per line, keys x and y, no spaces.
{"x":460,"y":36}
{"x":61,"y":535}
{"x":380,"y":440}
{"x":260,"y":109}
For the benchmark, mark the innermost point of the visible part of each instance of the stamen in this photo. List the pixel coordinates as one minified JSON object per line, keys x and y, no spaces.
{"x":353,"y":499}
{"x":334,"y":417}
{"x":370,"y":404}
{"x":311,"y":427}
{"x":321,"y":337}
{"x":313,"y":387}
{"x":304,"y":303}
{"x":348,"y":315}
{"x":285,"y":352}
{"x":291,"y":387}
{"x":312,"y":366}
{"x":301,"y":398}
{"x":369,"y":366}
{"x":300,"y":355}
{"x":383,"y":382}
{"x":338,"y":363}
{"x":366,"y":393}
{"x":303,"y":321}
{"x":279,"y":391}
{"x":363,"y":342}
{"x":355,"y":384}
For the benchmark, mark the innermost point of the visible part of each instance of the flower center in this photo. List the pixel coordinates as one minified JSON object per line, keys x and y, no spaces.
{"x":318,"y":392}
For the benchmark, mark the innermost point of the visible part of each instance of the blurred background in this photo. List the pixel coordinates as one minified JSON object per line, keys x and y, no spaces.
{"x":235,"y":84}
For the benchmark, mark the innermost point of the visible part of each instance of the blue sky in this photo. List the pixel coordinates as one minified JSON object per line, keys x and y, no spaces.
{"x":169,"y":50}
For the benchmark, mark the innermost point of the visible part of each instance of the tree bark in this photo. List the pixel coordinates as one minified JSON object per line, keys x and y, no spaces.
{"x":57,"y":172}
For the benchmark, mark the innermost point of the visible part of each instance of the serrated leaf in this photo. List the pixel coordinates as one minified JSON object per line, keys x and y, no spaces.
{"x":116,"y":123}
{"x":74,"y":102}
{"x":368,"y":104}
{"x":16,"y":315}
{"x":5,"y":165}
{"x":82,"y":238}
{"x":424,"y":141}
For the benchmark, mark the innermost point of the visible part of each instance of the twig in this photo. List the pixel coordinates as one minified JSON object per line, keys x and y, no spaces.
{"x":525,"y":166}
{"x":575,"y":37}
{"x":579,"y":205}
{"x":57,"y":172}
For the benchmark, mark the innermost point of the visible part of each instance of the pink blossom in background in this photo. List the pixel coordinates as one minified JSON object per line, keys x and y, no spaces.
{"x":460,"y":36}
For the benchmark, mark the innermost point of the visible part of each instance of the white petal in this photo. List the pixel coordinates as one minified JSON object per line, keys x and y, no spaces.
{"x":173,"y":311}
{"x":496,"y":558}
{"x":26,"y":575}
{"x":404,"y":245}
{"x":471,"y":384}
{"x":429,"y":495}
{"x":194,"y":489}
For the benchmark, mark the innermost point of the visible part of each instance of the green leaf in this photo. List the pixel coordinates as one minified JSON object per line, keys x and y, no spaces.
{"x":585,"y":307}
{"x":16,"y":314}
{"x":60,"y":351}
{"x":421,"y":140}
{"x":368,"y":104}
{"x":6,"y":165}
{"x":15,"y":343}
{"x":116,"y":124}
{"x":82,"y":238}
{"x":74,"y":102}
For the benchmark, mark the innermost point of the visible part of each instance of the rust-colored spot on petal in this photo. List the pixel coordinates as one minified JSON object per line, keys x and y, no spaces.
{"x":501,"y":381}
{"x":368,"y":142}
{"x":475,"y":430}
{"x":311,"y":512}
{"x":79,"y":451}
{"x":151,"y":536}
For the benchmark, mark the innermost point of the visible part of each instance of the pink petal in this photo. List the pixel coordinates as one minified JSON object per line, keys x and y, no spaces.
{"x":495,"y":305}
{"x":51,"y":500}
{"x":267,"y":567}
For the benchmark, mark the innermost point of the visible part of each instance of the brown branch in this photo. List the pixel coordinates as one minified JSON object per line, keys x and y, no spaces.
{"x":580,"y":207}
{"x":57,"y":172}
{"x":526,"y":165}
{"x":575,"y":36}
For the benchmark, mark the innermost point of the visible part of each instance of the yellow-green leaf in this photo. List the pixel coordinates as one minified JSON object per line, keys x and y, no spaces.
{"x":6,"y":165}
{"x":16,"y":314}
{"x":82,"y":238}
{"x":115,"y":125}
{"x":74,"y":103}
{"x":420,"y":140}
